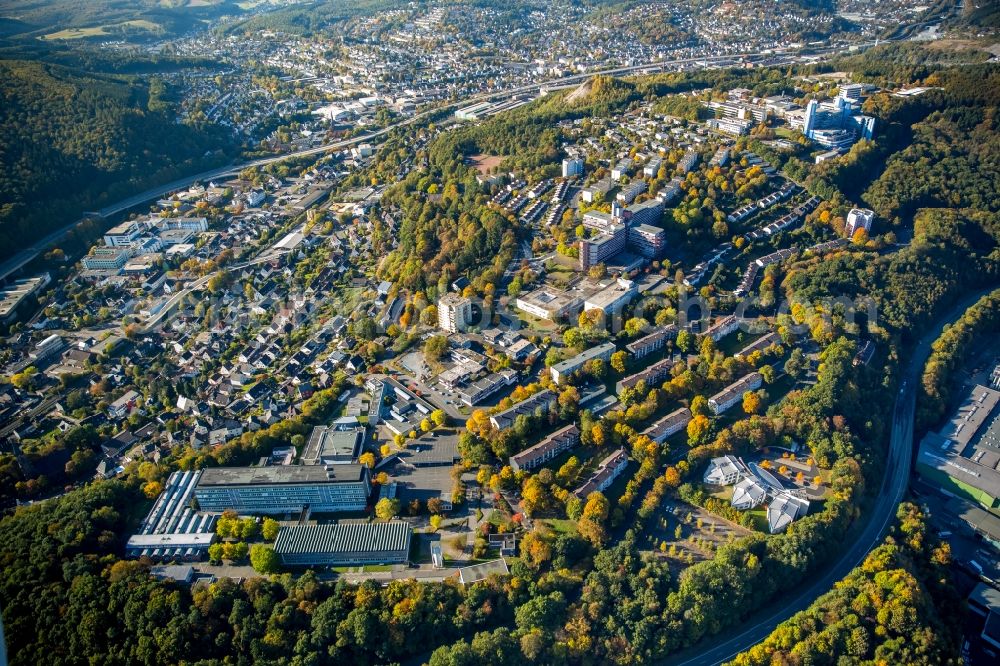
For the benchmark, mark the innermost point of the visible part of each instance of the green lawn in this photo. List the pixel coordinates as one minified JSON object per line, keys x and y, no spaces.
{"x":559,"y":525}
{"x":100,"y":30}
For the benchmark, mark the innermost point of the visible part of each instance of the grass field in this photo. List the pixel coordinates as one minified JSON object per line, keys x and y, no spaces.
{"x":101,"y":30}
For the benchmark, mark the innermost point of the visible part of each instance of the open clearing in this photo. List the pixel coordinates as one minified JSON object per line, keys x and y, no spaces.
{"x":100,"y":30}
{"x":485,"y":163}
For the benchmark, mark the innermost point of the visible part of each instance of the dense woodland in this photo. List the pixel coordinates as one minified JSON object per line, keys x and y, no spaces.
{"x":74,"y":141}
{"x":25,"y":20}
{"x":896,"y":608}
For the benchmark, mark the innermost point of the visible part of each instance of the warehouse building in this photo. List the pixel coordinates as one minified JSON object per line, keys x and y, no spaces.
{"x":963,"y":457}
{"x":344,"y":544}
{"x":173,"y":530}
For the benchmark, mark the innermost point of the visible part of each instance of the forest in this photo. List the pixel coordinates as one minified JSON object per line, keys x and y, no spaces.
{"x":73,"y":141}
{"x":977,"y":327}
{"x":896,"y":608}
{"x":28,"y":19}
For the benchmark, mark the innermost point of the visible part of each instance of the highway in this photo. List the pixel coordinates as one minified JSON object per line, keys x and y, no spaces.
{"x":23,"y":257}
{"x":715,"y":650}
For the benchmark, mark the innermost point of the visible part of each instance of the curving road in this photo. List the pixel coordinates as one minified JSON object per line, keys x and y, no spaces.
{"x":28,"y":254}
{"x":878,"y":519}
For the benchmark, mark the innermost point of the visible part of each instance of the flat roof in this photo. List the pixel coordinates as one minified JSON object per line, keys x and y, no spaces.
{"x":173,"y":540}
{"x":328,"y":441}
{"x":977,"y":518}
{"x":344,"y":538}
{"x":583,"y":357}
{"x":548,"y":298}
{"x":421,"y":482}
{"x":986,"y":596}
{"x":280,"y":475}
{"x":478,"y":572}
{"x":967,"y":448}
{"x":609,"y":296}
{"x":971,"y":415}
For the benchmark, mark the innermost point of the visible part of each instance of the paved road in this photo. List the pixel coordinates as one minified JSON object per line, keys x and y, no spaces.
{"x":153,"y":322}
{"x":714,"y":651}
{"x":41,"y":408}
{"x":28,"y":254}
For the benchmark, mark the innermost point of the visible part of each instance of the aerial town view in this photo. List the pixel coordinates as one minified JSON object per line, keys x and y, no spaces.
{"x":469,"y":332}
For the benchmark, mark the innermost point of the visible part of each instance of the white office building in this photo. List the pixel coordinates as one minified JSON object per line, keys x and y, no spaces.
{"x":859,"y":218}
{"x":454,"y":313}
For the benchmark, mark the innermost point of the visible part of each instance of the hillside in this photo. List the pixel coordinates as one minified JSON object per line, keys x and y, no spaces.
{"x":73,"y":141}
{"x":73,"y":20}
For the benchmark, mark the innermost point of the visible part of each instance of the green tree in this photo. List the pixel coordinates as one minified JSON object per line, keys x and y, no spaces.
{"x":263,"y":559}
{"x":435,"y":347}
{"x":269,"y":530}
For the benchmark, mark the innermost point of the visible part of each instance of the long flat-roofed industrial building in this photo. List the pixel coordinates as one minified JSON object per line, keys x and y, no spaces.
{"x":964,"y":456}
{"x":344,"y":544}
{"x":285,"y":488}
{"x":173,"y":530}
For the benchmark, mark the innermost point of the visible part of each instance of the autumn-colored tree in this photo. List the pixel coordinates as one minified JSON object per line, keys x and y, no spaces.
{"x":533,"y":495}
{"x":699,"y":406}
{"x":435,"y":505}
{"x":439,"y":417}
{"x":386,"y":508}
{"x":535,"y":550}
{"x":698,"y":430}
{"x":672,"y":477}
{"x":751,"y":402}
{"x":618,"y":360}
{"x":483,"y":475}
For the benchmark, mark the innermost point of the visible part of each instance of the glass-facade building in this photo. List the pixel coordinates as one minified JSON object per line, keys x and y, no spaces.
{"x":284,"y":488}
